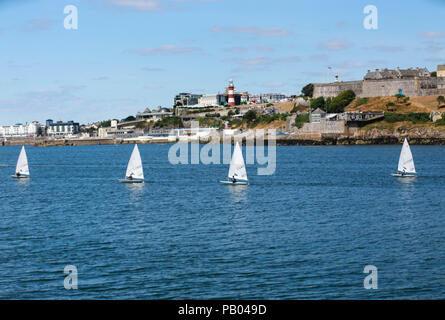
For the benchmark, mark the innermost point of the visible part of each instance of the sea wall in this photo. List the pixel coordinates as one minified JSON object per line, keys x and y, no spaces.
{"x":323,"y":127}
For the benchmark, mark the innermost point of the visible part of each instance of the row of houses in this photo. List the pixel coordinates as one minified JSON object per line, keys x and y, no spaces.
{"x":35,"y":129}
{"x":32,"y":129}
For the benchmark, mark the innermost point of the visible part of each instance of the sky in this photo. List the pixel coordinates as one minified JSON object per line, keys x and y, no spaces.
{"x":127,"y":55}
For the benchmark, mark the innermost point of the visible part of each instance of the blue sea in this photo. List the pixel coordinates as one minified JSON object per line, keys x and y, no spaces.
{"x":306,"y":232}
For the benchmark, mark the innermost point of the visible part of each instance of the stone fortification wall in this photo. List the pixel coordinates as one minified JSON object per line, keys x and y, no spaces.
{"x":383,"y":88}
{"x":334,"y":89}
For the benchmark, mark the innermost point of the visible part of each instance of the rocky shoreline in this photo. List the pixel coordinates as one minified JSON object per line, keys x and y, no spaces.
{"x":345,"y":141}
{"x":325,"y":141}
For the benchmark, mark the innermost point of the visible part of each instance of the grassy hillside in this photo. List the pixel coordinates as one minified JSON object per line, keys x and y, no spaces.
{"x":398,"y":105}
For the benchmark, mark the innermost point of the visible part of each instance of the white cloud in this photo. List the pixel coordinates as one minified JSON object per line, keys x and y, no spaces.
{"x":432,"y":34}
{"x":167,"y":49}
{"x":319,"y":57}
{"x":250,"y":48}
{"x":37,"y":25}
{"x":258,"y":63}
{"x":335,"y":45}
{"x":350,"y":64}
{"x":271,"y":32}
{"x":385,"y":48}
{"x":150,"y":5}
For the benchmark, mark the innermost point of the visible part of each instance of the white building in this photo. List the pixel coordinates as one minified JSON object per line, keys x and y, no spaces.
{"x":272,"y":97}
{"x":212,"y":100}
{"x":61,"y":128}
{"x":441,"y":70}
{"x":32,"y":129}
{"x":155,"y":114}
{"x":209,"y":100}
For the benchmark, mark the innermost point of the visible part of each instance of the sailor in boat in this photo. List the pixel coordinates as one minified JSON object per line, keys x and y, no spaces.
{"x":233,"y":179}
{"x":130,"y":177}
{"x":18,"y":174}
{"x":404,"y":172}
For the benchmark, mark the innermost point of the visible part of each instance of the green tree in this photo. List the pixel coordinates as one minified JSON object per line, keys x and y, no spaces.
{"x":250,"y":116}
{"x":318,"y":103}
{"x":328,"y":103}
{"x":440,"y":100}
{"x":434,"y":74}
{"x":130,"y":118}
{"x":340,"y":102}
{"x":105,"y":124}
{"x":301,"y":119}
{"x":308,"y":90}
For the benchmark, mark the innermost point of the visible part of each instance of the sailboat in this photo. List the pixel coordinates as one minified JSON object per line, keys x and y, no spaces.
{"x":406,"y":163}
{"x":22,"y":169}
{"x":135,"y":172}
{"x":237,"y":171}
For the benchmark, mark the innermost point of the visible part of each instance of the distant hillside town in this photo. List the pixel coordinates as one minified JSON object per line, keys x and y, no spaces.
{"x":384,"y":98}
{"x":186,"y":107}
{"x":229,"y":98}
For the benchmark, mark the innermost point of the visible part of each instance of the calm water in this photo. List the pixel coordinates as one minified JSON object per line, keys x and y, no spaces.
{"x":306,"y":232}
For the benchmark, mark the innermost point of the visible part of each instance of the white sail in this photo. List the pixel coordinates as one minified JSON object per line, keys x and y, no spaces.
{"x":406,"y":161}
{"x":134,"y":168}
{"x":237,"y":168}
{"x":22,"y":163}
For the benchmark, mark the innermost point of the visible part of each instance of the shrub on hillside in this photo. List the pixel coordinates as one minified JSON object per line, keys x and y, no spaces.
{"x":362,"y":101}
{"x":440,"y":100}
{"x":421,"y":117}
{"x":340,"y":102}
{"x":301,"y":119}
{"x":172,"y":122}
{"x":250,"y":116}
{"x":213,"y":115}
{"x":318,"y":103}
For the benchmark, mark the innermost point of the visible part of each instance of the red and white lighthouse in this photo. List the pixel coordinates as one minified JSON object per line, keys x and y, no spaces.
{"x":231,"y":92}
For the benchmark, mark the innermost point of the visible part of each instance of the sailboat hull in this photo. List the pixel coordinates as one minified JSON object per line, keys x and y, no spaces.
{"x":20,"y":177}
{"x":399,"y":175}
{"x":131,"y":181}
{"x":240,"y":183}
